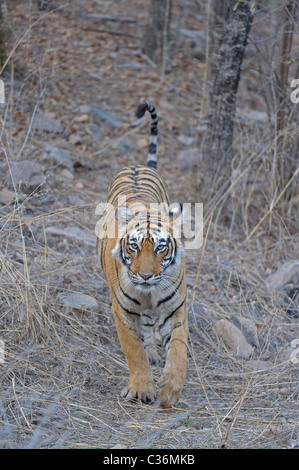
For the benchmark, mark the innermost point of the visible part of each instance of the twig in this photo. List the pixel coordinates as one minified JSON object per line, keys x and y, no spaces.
{"x":114,"y":33}
{"x":272,"y":206}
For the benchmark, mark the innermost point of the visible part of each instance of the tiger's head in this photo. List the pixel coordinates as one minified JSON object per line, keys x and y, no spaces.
{"x":148,"y":246}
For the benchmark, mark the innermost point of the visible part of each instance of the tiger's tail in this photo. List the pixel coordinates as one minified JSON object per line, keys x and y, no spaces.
{"x":152,"y":148}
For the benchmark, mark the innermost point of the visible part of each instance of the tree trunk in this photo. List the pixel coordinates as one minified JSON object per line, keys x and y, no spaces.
{"x":2,"y":37}
{"x":155,"y":38}
{"x":285,"y":144}
{"x":235,"y":18}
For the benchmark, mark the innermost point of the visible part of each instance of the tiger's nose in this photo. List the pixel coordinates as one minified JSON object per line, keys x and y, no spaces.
{"x":146,"y":276}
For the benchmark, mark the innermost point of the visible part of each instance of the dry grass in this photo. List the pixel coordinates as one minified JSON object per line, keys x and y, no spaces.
{"x":64,"y":369}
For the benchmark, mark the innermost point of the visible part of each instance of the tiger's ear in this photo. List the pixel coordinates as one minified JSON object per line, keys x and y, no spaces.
{"x":124,"y":214}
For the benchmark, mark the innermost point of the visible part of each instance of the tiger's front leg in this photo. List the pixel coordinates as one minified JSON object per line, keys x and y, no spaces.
{"x":141,"y":385}
{"x":175,"y":370}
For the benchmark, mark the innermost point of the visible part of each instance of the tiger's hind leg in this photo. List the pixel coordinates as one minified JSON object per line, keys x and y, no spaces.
{"x":141,"y":385}
{"x":175,"y":370}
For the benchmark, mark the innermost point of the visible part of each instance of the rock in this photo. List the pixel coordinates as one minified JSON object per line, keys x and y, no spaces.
{"x":195,"y":40}
{"x":78,"y":301}
{"x":74,"y":233}
{"x":76,"y":201}
{"x":289,"y":353}
{"x":82,"y":118}
{"x":75,"y":139}
{"x":119,"y":446}
{"x":233,"y":339}
{"x":46,"y":122}
{"x":94,"y":131}
{"x":257,"y":365}
{"x":27,"y":175}
{"x":287,"y":273}
{"x":184,"y":139}
{"x":56,"y":156}
{"x":85,"y":109}
{"x":102,"y":116}
{"x":6,"y":196}
{"x":142,"y":143}
{"x":286,"y":279}
{"x":125,"y":145}
{"x":248,"y":329}
{"x":66,"y":175}
{"x":293,"y":307}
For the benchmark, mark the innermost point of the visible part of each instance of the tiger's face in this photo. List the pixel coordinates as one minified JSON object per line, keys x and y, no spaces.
{"x":148,"y":250}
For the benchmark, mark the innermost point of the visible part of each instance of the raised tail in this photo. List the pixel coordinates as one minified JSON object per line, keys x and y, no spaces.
{"x":152,"y":148}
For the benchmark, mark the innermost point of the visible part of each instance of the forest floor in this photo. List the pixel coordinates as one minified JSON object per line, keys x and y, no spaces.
{"x":63,"y":366}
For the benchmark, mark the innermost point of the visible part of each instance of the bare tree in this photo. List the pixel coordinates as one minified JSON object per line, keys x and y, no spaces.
{"x":2,"y":37}
{"x":156,"y":33}
{"x":285,"y":145}
{"x":234,"y":19}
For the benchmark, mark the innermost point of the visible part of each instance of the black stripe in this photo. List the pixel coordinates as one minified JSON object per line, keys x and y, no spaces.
{"x":128,"y":311}
{"x":175,"y":251}
{"x":172,"y":313}
{"x":152,"y":148}
{"x":124,"y":293}
{"x":172,"y":294}
{"x":148,"y":324}
{"x":152,"y":164}
{"x":166,"y":341}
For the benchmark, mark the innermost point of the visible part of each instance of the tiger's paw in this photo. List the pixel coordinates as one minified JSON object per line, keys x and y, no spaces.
{"x":154,"y":359}
{"x":169,"y":390}
{"x":153,"y":355}
{"x":143,"y":393}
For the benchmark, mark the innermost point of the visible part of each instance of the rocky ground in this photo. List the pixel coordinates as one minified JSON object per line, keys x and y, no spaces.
{"x":73,"y":82}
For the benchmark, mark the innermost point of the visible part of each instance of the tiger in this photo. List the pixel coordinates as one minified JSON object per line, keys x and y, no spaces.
{"x":144,"y":264}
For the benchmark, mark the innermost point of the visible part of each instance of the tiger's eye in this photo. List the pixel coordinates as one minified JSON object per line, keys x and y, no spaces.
{"x":160,"y":247}
{"x":134,"y":246}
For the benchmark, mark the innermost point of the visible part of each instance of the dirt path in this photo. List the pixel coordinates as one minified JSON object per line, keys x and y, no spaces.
{"x":64,"y":367}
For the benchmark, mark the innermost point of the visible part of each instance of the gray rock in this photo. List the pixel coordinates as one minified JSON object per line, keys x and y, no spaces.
{"x":102,"y":116}
{"x":233,"y":339}
{"x":56,"y":156}
{"x":286,"y":280}
{"x":94,"y":130}
{"x":287,"y":273}
{"x":85,"y":109}
{"x":258,"y":365}
{"x":248,"y":329}
{"x":73,"y":233}
{"x":125,"y":145}
{"x":6,"y":196}
{"x":76,"y":201}
{"x":184,"y":139}
{"x":66,"y":175}
{"x":78,"y":301}
{"x":45,"y":122}
{"x":27,"y":175}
